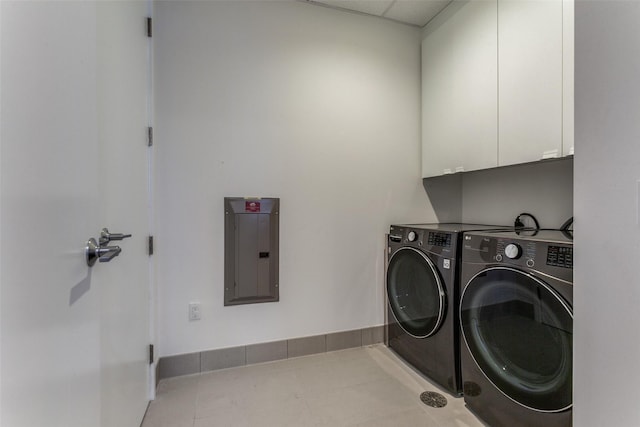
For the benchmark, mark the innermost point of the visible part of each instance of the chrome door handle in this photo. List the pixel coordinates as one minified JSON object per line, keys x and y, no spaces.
{"x":94,"y":253}
{"x":106,"y":237}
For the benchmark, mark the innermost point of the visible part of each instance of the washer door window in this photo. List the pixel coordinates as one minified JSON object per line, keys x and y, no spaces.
{"x":519,"y":332}
{"x":415,"y":292}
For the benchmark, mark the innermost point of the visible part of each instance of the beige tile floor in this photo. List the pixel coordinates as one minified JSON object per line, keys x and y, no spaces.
{"x":367,"y":386}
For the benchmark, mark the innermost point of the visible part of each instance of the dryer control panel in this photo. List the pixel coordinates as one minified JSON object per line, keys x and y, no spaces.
{"x":439,"y":239}
{"x":439,"y":243}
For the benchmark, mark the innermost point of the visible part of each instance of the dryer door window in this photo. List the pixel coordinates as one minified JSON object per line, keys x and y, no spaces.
{"x":519,"y":332}
{"x":415,"y":292}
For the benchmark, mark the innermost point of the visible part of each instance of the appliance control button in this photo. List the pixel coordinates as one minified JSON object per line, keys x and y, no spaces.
{"x":530,"y":263}
{"x":498,"y":257}
{"x":513,"y":251}
{"x":412,"y":236}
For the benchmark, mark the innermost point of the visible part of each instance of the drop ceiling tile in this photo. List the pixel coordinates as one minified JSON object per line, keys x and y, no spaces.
{"x":416,"y":12}
{"x":372,"y":7}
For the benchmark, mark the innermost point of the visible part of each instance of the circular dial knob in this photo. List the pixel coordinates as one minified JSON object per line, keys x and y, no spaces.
{"x":513,"y":251}
{"x":412,"y":236}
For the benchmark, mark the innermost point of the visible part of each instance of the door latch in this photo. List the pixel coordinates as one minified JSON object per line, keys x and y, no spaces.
{"x":94,"y":253}
{"x":103,"y":252}
{"x":106,"y":237}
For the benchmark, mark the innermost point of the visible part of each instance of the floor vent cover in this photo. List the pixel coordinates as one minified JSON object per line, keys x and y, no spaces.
{"x":471,"y":389}
{"x":433,"y":399}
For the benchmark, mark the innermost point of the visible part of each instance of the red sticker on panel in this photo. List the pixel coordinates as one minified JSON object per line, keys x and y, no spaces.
{"x":251,"y":206}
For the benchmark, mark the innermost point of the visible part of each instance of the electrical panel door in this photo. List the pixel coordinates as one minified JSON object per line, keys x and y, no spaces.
{"x":251,"y":250}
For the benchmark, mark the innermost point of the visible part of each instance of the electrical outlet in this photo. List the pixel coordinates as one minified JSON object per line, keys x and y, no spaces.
{"x":638,"y":202}
{"x":194,"y":311}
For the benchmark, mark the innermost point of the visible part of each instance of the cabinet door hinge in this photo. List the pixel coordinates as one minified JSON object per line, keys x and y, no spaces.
{"x":151,"y":359}
{"x":150,"y":245}
{"x":149,"y":27}
{"x":150,"y":136}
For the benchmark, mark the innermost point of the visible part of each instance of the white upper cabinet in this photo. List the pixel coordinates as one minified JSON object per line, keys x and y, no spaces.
{"x":497,"y":84}
{"x":568,"y":40}
{"x":459,"y":89}
{"x":529,"y":80}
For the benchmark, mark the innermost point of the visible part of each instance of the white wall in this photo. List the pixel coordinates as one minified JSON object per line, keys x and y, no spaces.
{"x":282,"y":99}
{"x":607,"y":170}
{"x":1,"y":118}
{"x":498,"y":196}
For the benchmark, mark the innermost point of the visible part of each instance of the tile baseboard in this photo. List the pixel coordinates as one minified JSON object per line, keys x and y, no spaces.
{"x":211,"y":360}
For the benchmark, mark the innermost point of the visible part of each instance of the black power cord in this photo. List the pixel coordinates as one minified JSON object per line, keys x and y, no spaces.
{"x":567,"y":228}
{"x":568,"y":223}
{"x":519,"y":225}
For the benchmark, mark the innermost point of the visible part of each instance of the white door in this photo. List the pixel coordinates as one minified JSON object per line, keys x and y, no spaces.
{"x":123,"y":283}
{"x":64,"y":349}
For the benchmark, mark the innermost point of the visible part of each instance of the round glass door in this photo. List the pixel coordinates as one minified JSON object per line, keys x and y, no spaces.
{"x":415,"y":292}
{"x":519,"y":332}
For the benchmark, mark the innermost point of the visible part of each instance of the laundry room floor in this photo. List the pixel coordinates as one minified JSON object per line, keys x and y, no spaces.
{"x":366,"y":386}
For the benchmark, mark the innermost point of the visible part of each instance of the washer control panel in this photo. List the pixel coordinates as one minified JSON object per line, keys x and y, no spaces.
{"x":556,"y":256}
{"x":560,"y":256}
{"x":546,"y":252}
{"x":507,"y":250}
{"x":513,"y":251}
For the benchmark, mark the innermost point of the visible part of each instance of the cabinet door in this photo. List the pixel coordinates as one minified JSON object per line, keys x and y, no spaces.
{"x":568,"y":38}
{"x":530,"y":80}
{"x":459,"y":89}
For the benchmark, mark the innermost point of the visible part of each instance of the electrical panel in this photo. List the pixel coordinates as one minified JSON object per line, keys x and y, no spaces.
{"x":251,"y":241}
